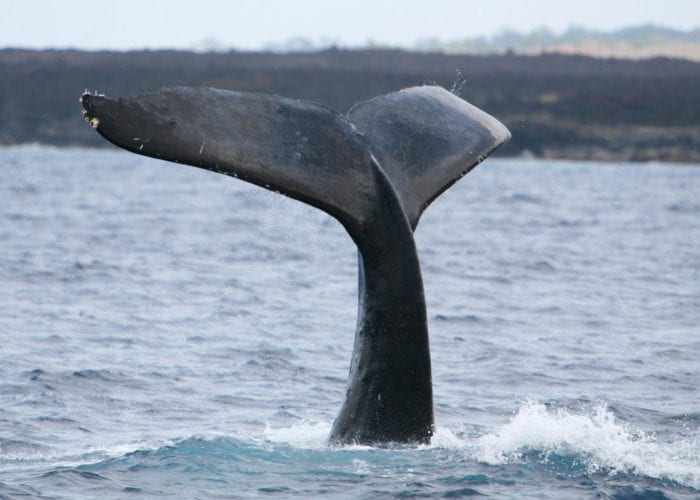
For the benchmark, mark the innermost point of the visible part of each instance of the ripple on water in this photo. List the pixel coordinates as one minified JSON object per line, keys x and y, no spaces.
{"x":170,"y":332}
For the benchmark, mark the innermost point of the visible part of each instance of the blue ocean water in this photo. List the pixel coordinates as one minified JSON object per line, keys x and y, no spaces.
{"x":169,"y":332}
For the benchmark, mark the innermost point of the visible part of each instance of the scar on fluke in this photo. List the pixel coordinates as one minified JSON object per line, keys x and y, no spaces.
{"x":375,"y":169}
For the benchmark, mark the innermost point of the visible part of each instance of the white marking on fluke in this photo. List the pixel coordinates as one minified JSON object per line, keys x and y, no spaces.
{"x":94,"y":122}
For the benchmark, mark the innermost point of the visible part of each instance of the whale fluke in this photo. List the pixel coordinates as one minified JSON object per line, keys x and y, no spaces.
{"x":375,"y":169}
{"x":426,"y":139}
{"x":299,"y":149}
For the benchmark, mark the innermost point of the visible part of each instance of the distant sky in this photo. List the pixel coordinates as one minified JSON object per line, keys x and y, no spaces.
{"x":252,"y":24}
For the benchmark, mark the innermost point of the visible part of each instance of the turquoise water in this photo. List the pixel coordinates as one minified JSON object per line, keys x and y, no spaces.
{"x":168,"y":332}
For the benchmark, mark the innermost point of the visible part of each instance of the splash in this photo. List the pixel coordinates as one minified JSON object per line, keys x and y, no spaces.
{"x":601,"y":443}
{"x":592,"y":439}
{"x":304,"y":435}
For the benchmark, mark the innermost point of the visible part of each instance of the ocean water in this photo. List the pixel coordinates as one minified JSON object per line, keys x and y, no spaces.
{"x":169,"y":332}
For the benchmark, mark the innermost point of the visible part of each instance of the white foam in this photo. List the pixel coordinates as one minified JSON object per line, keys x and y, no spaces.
{"x":593,"y":437}
{"x":304,"y":435}
{"x":445,"y":438}
{"x":597,"y":439}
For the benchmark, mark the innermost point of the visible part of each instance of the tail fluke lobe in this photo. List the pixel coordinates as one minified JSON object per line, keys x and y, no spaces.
{"x":425,"y":139}
{"x":302,"y":150}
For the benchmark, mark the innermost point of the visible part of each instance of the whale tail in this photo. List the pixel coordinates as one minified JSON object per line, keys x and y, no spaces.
{"x":423,"y":139}
{"x":375,"y":169}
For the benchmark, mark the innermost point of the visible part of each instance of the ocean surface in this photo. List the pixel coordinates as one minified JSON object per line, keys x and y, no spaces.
{"x":169,"y":332}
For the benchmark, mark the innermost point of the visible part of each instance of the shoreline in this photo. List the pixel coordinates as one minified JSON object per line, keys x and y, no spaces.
{"x":527,"y":157}
{"x":556,"y":106}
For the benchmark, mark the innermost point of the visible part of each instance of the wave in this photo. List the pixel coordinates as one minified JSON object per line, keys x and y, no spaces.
{"x":35,"y":456}
{"x":586,"y":442}
{"x":592,"y":440}
{"x":596,"y":440}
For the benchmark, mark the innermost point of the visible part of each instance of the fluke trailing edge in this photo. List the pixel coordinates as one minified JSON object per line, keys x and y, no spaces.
{"x":375,"y":169}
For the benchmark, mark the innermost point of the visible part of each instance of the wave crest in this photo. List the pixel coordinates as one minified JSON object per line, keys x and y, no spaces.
{"x":596,"y":440}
